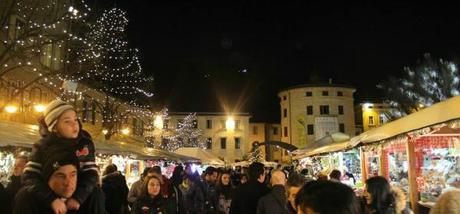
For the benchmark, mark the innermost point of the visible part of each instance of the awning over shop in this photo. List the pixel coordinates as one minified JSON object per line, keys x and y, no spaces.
{"x":25,"y":135}
{"x":329,"y":143}
{"x":202,"y":155}
{"x":438,"y":113}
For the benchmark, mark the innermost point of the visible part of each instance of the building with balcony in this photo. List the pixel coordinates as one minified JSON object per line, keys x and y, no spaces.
{"x":310,"y":112}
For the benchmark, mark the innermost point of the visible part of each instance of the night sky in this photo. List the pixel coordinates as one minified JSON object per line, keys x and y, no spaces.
{"x":235,"y":55}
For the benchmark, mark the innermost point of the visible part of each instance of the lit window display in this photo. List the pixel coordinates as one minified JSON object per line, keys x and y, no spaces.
{"x":437,"y":168}
{"x":396,"y":163}
{"x":372,"y":162}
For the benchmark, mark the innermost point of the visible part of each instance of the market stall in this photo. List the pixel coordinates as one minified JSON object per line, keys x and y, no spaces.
{"x":205,"y":157}
{"x":421,"y":148}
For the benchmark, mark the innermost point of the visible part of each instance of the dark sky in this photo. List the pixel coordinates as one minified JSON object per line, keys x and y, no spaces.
{"x":198,"y":50}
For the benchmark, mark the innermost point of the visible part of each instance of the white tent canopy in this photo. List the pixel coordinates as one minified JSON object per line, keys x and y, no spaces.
{"x":441,"y":112}
{"x":204,"y":156}
{"x":25,"y":135}
{"x":329,"y":143}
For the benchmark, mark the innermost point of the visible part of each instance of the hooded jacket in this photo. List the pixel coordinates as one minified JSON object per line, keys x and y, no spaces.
{"x":87,"y":175}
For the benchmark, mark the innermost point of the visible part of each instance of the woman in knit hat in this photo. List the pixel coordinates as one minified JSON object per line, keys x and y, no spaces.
{"x":59,"y":126}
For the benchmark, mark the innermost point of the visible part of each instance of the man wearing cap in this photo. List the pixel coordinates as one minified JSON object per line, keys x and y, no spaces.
{"x":60,"y":174}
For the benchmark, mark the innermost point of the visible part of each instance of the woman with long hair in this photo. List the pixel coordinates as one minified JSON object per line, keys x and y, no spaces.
{"x":224,"y":190}
{"x":150,"y":200}
{"x":381,"y":198}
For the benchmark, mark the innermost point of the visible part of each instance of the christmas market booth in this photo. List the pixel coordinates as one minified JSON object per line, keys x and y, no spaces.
{"x":130,"y":158}
{"x":203,"y":156}
{"x":419,"y":152}
{"x":333,"y":151}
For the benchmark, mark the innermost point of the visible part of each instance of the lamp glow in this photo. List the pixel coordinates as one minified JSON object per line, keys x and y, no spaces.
{"x":39,"y":108}
{"x":11,"y":109}
{"x":230,"y":124}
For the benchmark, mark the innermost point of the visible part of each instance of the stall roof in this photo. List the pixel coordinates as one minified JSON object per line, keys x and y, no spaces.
{"x":25,"y":135}
{"x":329,"y":143}
{"x":441,"y":112}
{"x":204,"y":156}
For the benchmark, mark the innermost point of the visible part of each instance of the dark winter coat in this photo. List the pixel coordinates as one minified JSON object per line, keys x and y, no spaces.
{"x":274,"y":203}
{"x":116,"y":192}
{"x":148,"y":205}
{"x":28,"y":203}
{"x":202,"y":198}
{"x":87,"y":174}
{"x":247,"y":196}
{"x":12,"y":189}
{"x":398,"y":205}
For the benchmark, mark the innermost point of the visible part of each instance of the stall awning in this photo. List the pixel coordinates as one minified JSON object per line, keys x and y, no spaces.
{"x":202,"y":155}
{"x":329,"y":143}
{"x":25,"y":135}
{"x":441,"y":112}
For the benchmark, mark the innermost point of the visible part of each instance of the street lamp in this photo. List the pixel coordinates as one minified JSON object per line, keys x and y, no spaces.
{"x":39,"y":108}
{"x":11,"y":109}
{"x":158,"y":122}
{"x":125,"y":131}
{"x":105,"y":131}
{"x":230,"y":124}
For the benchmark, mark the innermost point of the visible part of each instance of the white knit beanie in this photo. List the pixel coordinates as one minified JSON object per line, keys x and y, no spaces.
{"x":53,"y":111}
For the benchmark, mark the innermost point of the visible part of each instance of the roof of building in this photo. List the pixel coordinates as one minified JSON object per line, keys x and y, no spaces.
{"x":317,"y":86}
{"x":211,"y":113}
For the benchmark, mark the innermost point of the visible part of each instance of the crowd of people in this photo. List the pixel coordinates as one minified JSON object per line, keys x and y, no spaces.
{"x":61,"y":176}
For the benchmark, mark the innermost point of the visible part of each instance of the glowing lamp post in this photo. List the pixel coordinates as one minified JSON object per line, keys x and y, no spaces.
{"x":230,"y":124}
{"x":39,"y":108}
{"x":11,"y":109}
{"x":158,"y":122}
{"x":125,"y":131}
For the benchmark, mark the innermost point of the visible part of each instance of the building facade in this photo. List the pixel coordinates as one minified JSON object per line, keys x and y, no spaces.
{"x":310,"y":112}
{"x":374,"y":114}
{"x":226,"y":135}
{"x":263,"y":132}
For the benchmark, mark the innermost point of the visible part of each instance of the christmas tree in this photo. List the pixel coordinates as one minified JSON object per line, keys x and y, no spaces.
{"x":256,"y":153}
{"x":429,"y":82}
{"x":187,"y":134}
{"x":114,"y":68}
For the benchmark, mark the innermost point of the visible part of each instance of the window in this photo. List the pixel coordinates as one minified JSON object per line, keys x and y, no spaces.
{"x":310,"y":129}
{"x":285,"y":131}
{"x":237,"y":125}
{"x":284,"y":98}
{"x":342,"y":127}
{"x":255,"y":130}
{"x":237,"y":143}
{"x":325,"y":93}
{"x":84,"y":115}
{"x":209,"y":143}
{"x":93,"y":112}
{"x":223,"y":143}
{"x":179,"y":123}
{"x":165,"y":124}
{"x":324,"y":109}
{"x":382,"y":119}
{"x":340,"y":110}
{"x":308,"y":94}
{"x":275,"y":131}
{"x":222,"y":125}
{"x":284,"y":112}
{"x":195,"y":124}
{"x":371,"y":120}
{"x":339,"y":93}
{"x":209,"y":124}
{"x":309,"y":110}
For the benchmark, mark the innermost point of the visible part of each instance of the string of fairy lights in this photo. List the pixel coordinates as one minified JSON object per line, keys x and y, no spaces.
{"x":101,"y":42}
